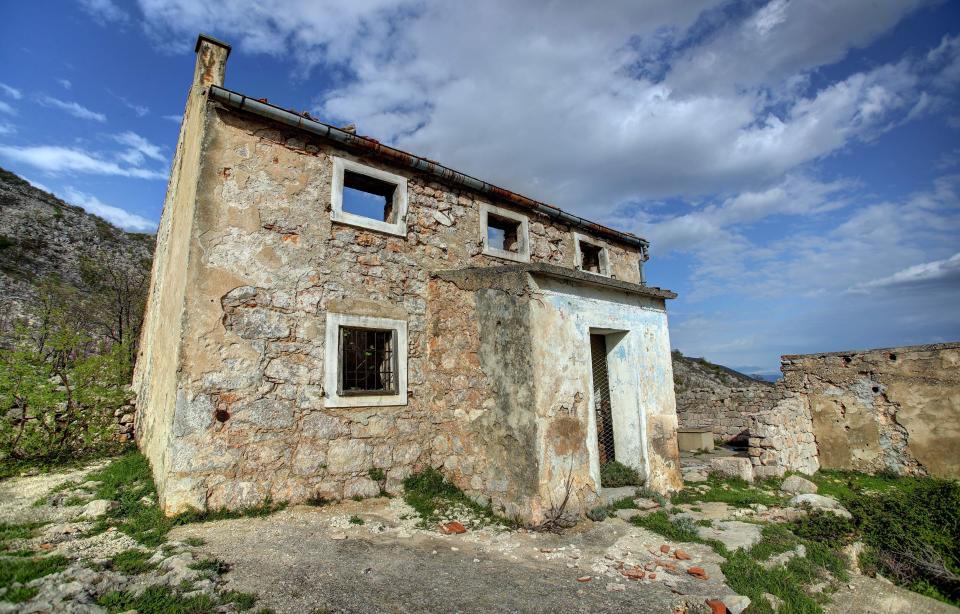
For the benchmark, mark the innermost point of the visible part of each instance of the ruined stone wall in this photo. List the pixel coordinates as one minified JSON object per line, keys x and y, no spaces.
{"x":266,"y":265}
{"x":895,"y":409}
{"x":781,"y":437}
{"x":723,"y":401}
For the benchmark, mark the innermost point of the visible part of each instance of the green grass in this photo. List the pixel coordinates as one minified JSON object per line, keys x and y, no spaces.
{"x":132,"y":562}
{"x":243,"y":601}
{"x":732,"y":491}
{"x":356,"y":520}
{"x":194,"y":542}
{"x":20,"y":594}
{"x":158,"y":600}
{"x":127,"y":480}
{"x":10,"y":532}
{"x":743,"y":570}
{"x":58,"y":462}
{"x":430,"y":494}
{"x":23,"y":569}
{"x":210,"y":566}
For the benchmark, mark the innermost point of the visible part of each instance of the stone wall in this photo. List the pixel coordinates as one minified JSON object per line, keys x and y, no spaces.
{"x":713,"y":397}
{"x":781,"y":438}
{"x":893,"y":409}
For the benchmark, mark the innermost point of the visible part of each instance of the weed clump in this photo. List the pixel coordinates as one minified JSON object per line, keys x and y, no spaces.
{"x":615,"y":474}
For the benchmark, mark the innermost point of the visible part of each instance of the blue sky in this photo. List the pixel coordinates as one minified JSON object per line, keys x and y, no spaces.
{"x":795,"y":164}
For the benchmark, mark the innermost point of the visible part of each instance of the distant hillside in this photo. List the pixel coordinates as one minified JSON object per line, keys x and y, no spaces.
{"x":691,"y":373}
{"x":44,"y":240}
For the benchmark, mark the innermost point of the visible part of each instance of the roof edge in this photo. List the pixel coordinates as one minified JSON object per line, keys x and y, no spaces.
{"x":444,"y":174}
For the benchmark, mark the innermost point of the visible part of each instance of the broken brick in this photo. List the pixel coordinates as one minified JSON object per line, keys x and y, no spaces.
{"x":680,"y":555}
{"x":453,"y":528}
{"x":698,"y":572}
{"x":717,"y":606}
{"x":664,"y":548}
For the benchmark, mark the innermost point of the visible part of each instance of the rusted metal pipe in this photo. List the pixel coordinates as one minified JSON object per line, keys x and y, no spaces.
{"x":447,"y":175}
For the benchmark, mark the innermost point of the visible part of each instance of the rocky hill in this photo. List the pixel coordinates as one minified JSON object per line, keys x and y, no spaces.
{"x":44,"y":240}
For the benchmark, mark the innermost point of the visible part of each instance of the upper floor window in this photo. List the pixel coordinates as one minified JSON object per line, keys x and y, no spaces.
{"x":591,"y":255}
{"x":504,"y":233}
{"x":368,"y":197}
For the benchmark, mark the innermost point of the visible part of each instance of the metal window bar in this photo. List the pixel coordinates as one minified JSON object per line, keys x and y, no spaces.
{"x":367,"y":361}
{"x":601,"y":399}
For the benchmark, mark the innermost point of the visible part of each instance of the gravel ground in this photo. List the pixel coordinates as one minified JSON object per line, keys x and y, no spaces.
{"x":313,"y":559}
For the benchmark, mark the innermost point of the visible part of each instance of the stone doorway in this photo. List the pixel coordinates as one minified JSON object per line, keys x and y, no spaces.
{"x":606,"y":446}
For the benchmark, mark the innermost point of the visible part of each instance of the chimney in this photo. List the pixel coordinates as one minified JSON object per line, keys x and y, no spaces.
{"x":211,"y":61}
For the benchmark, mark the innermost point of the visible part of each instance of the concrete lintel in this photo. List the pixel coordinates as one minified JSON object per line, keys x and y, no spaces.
{"x":494,"y":277}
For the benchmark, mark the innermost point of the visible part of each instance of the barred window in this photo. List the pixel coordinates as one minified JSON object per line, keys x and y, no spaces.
{"x":367,"y":361}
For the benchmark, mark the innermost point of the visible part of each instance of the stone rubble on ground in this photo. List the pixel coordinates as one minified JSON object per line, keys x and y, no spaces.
{"x":797,"y":485}
{"x":820,"y":503}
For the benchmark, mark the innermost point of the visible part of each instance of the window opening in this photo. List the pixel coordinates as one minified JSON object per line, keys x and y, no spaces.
{"x":367,"y":361}
{"x":368,"y":196}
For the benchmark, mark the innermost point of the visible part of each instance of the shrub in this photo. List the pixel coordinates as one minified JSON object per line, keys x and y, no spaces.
{"x":912,"y":534}
{"x":825,"y":527}
{"x":615,"y":474}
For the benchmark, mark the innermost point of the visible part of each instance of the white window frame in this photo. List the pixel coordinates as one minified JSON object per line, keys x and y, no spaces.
{"x":523,"y":249}
{"x":604,"y":254}
{"x":337,"y":214}
{"x":331,"y":361}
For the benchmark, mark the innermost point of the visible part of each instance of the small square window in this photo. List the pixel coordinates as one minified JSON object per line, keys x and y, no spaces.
{"x":367,"y":361}
{"x":368,"y":197}
{"x":591,"y":256}
{"x":504,"y":233}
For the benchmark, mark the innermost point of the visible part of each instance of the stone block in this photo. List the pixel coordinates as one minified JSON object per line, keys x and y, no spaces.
{"x":733,"y":467}
{"x":692,"y":440}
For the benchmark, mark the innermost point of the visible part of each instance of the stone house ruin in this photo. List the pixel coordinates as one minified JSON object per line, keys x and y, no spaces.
{"x":323,"y":305}
{"x":891,"y":410}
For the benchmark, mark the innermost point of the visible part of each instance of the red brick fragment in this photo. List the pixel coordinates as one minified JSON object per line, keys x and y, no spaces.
{"x":698,"y":572}
{"x":680,"y":555}
{"x":664,"y":548}
{"x":716,"y":606}
{"x":584,"y":579}
{"x":634,"y":573}
{"x":452,"y":528}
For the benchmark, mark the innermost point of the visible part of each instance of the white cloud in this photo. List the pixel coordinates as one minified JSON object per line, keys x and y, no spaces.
{"x":173,"y":118}
{"x":6,"y":128}
{"x":12,"y":92}
{"x":6,"y":108}
{"x":104,"y":11}
{"x":115,"y":215}
{"x":935,"y":272}
{"x":139,"y":148}
{"x":73,"y":108}
{"x":56,"y":159}
{"x":584,"y":108}
{"x":65,"y":83}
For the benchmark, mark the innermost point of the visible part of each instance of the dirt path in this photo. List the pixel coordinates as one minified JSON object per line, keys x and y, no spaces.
{"x":311,"y":559}
{"x":17,"y":495}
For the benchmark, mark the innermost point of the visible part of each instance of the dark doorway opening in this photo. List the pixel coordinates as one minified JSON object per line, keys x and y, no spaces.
{"x":601,"y":399}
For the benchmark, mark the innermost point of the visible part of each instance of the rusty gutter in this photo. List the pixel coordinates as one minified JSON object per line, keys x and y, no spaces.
{"x":447,"y":175}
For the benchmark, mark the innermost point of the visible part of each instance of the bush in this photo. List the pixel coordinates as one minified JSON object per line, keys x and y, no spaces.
{"x":615,"y":474}
{"x":826,"y":528}
{"x":912,"y":535}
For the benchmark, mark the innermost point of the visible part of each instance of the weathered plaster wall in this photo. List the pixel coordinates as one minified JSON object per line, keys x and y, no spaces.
{"x":641,"y":383}
{"x":155,"y":377}
{"x":246,"y":417}
{"x":894,"y":409}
